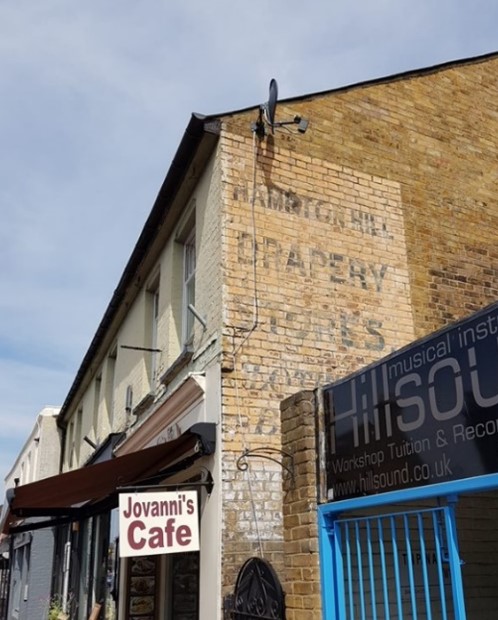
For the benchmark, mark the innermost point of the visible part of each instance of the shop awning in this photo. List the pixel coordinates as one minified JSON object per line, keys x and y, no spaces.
{"x":73,"y":493}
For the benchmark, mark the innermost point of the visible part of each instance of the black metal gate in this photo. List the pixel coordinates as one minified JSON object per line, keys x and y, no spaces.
{"x":258,"y":594}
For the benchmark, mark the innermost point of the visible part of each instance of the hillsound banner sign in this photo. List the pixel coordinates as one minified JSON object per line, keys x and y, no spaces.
{"x":424,"y":415}
{"x":158,"y":523}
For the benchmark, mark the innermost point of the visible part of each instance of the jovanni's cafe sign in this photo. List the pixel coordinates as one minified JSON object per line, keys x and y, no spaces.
{"x":425,"y":415}
{"x":158,"y":523}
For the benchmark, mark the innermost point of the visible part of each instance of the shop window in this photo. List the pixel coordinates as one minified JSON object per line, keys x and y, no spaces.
{"x":60,"y":572}
{"x":98,"y":562}
{"x":95,"y":573}
{"x":184,"y":576}
{"x":111,"y":587}
{"x":4,"y":585}
{"x":143,"y":587}
{"x":22,"y":554}
{"x":17,"y":582}
{"x":85,"y":563}
{"x":170,"y":584}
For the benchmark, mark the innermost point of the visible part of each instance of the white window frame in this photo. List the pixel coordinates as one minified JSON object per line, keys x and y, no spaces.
{"x":110,"y":379}
{"x":189,"y":269}
{"x":154,"y":334}
{"x":97,"y":394}
{"x":151,"y":336}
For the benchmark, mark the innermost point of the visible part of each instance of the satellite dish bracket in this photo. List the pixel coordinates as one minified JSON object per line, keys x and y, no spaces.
{"x":267,"y":115}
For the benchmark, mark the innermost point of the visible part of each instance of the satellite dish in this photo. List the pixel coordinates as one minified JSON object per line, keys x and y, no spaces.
{"x":271,"y":106}
{"x":267,"y":115}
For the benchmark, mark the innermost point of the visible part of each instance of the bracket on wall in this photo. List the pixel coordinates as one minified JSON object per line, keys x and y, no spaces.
{"x":267,"y":452}
{"x":198,"y":315}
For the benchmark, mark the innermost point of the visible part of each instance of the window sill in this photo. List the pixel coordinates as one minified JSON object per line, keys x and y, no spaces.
{"x":143,"y":405}
{"x":181,"y":361}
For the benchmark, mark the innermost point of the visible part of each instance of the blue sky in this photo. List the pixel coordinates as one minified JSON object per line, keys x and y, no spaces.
{"x":95,"y":97}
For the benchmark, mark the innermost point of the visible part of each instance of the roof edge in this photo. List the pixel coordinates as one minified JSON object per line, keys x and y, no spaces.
{"x":394,"y":77}
{"x":198,"y":126}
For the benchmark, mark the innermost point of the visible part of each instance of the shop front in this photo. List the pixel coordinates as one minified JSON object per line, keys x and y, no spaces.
{"x":411,"y":478}
{"x":93,"y":578}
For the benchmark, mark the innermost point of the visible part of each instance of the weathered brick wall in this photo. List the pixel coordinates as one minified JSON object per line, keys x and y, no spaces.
{"x":435,"y":135}
{"x":298,"y":310}
{"x":478,"y":544}
{"x":376,"y":227}
{"x":301,"y":573}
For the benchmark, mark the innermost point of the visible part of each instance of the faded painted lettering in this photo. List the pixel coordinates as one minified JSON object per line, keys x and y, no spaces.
{"x":307,"y":262}
{"x":285,"y":200}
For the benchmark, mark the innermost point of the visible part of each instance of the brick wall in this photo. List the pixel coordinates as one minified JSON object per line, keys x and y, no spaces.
{"x":478,"y":542}
{"x":475,"y":515}
{"x":301,"y":575}
{"x":376,"y":227}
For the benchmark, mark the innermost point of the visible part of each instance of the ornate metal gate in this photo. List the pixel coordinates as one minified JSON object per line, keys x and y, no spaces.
{"x":258,"y":594}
